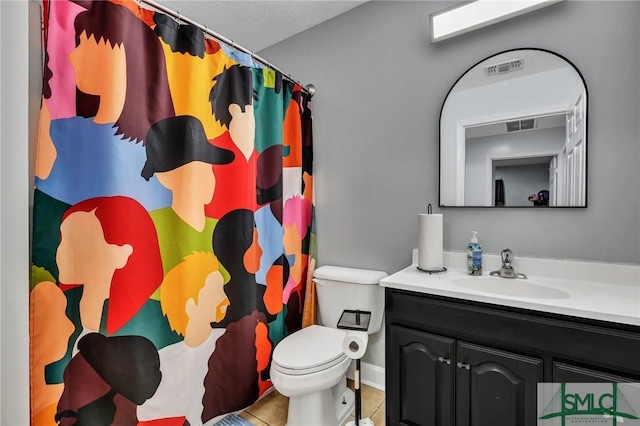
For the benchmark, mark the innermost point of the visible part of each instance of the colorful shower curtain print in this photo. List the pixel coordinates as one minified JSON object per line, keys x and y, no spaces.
{"x":172,"y":222}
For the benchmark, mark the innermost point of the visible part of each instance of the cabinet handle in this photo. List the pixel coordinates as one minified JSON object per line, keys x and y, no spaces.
{"x":446,"y":360}
{"x":464,"y":365}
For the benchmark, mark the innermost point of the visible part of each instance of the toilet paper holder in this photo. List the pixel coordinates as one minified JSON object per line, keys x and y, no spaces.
{"x":354,"y":320}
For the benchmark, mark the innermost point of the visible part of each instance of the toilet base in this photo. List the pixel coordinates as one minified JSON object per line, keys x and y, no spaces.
{"x":329,"y":407}
{"x":344,"y":405}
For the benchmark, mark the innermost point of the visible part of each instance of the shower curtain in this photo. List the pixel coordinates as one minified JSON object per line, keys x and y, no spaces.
{"x":172,"y":221}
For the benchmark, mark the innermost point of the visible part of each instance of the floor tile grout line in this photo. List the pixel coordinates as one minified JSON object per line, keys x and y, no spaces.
{"x":256,"y":417}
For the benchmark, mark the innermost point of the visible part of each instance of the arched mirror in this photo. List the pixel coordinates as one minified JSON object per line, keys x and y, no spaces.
{"x":513,"y":133}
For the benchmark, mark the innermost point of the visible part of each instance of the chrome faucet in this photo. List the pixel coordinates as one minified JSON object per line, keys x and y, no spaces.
{"x":507,"y":270}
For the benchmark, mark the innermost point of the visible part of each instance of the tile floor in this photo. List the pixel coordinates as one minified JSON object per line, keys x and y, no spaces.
{"x":272,"y":409}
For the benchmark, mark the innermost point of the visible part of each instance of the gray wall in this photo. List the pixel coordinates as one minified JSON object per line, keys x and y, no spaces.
{"x":380,"y":85}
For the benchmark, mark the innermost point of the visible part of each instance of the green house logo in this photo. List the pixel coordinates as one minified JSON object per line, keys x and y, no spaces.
{"x":603,"y":405}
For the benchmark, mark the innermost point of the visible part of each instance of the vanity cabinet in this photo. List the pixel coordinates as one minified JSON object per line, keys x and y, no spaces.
{"x":456,"y":362}
{"x":441,"y":379}
{"x":421,"y":389}
{"x":495,"y":387}
{"x":567,"y":373}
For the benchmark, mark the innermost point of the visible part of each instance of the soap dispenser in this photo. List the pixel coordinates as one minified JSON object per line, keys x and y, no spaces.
{"x":474,"y":256}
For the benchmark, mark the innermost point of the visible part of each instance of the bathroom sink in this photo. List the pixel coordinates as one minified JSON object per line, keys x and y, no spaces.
{"x":509,"y":287}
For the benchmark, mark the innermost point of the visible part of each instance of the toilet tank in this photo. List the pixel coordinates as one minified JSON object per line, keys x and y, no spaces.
{"x":339,"y":288}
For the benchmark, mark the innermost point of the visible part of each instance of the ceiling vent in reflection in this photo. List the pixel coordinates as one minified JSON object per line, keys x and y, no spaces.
{"x":519,"y":125}
{"x":504,"y":67}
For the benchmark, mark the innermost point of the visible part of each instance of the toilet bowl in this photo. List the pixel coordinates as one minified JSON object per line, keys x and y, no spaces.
{"x":310,"y":369}
{"x":310,"y":365}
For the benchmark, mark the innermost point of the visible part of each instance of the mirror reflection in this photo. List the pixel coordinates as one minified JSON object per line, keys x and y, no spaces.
{"x":513,"y":133}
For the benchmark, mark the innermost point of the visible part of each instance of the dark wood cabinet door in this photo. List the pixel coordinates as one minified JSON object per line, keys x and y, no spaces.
{"x":419,"y":374}
{"x":494,"y":387}
{"x":567,"y":373}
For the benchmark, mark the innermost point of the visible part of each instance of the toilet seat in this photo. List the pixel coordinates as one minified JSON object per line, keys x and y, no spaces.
{"x":312,"y":349}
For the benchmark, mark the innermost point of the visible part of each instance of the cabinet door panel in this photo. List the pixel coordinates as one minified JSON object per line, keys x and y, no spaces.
{"x":419,"y":378}
{"x":566,"y":373}
{"x":495,"y":387}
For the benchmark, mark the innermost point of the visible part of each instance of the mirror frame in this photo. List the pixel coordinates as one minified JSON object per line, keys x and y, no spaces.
{"x":586,"y":118}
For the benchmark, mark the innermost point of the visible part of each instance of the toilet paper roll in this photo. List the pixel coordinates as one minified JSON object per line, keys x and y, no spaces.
{"x":430,"y":246}
{"x":355,"y":344}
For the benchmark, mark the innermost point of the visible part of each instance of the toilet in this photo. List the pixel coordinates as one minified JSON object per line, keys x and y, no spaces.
{"x":310,"y":365}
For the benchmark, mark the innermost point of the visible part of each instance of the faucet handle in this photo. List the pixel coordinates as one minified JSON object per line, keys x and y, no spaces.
{"x":507,"y":257}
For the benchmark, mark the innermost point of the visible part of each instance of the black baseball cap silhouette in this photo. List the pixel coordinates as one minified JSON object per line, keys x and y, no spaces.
{"x":175,"y":141}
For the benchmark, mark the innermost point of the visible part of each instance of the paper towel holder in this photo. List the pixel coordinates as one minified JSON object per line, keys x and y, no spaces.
{"x":433,"y":271}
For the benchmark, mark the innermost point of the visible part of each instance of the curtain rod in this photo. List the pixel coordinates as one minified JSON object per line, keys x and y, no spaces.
{"x":310,"y":88}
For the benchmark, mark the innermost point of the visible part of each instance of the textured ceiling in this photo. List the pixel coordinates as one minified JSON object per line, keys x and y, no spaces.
{"x":256,"y":25}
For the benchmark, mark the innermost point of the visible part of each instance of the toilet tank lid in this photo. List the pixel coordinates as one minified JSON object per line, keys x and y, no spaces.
{"x":349,"y":275}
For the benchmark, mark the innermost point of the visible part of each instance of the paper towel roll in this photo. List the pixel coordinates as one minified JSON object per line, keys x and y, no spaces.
{"x":430,"y":251}
{"x":355,"y":343}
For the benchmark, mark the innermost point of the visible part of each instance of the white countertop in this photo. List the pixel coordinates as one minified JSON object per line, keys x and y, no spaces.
{"x":603,"y":292}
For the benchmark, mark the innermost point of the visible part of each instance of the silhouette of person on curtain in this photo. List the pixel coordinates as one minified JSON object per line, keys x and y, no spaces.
{"x":192,"y":62}
{"x":231,"y":101}
{"x":235,"y":244}
{"x":297,"y":227}
{"x":192,"y":298}
{"x":109,"y":266}
{"x":95,"y":153}
{"x":180,"y":156}
{"x":233,"y":379}
{"x":48,"y":344}
{"x":107,"y":379}
{"x":237,"y":368}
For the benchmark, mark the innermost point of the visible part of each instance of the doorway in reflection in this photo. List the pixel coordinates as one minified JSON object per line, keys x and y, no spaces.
{"x":523,"y":185}
{"x":509,"y":164}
